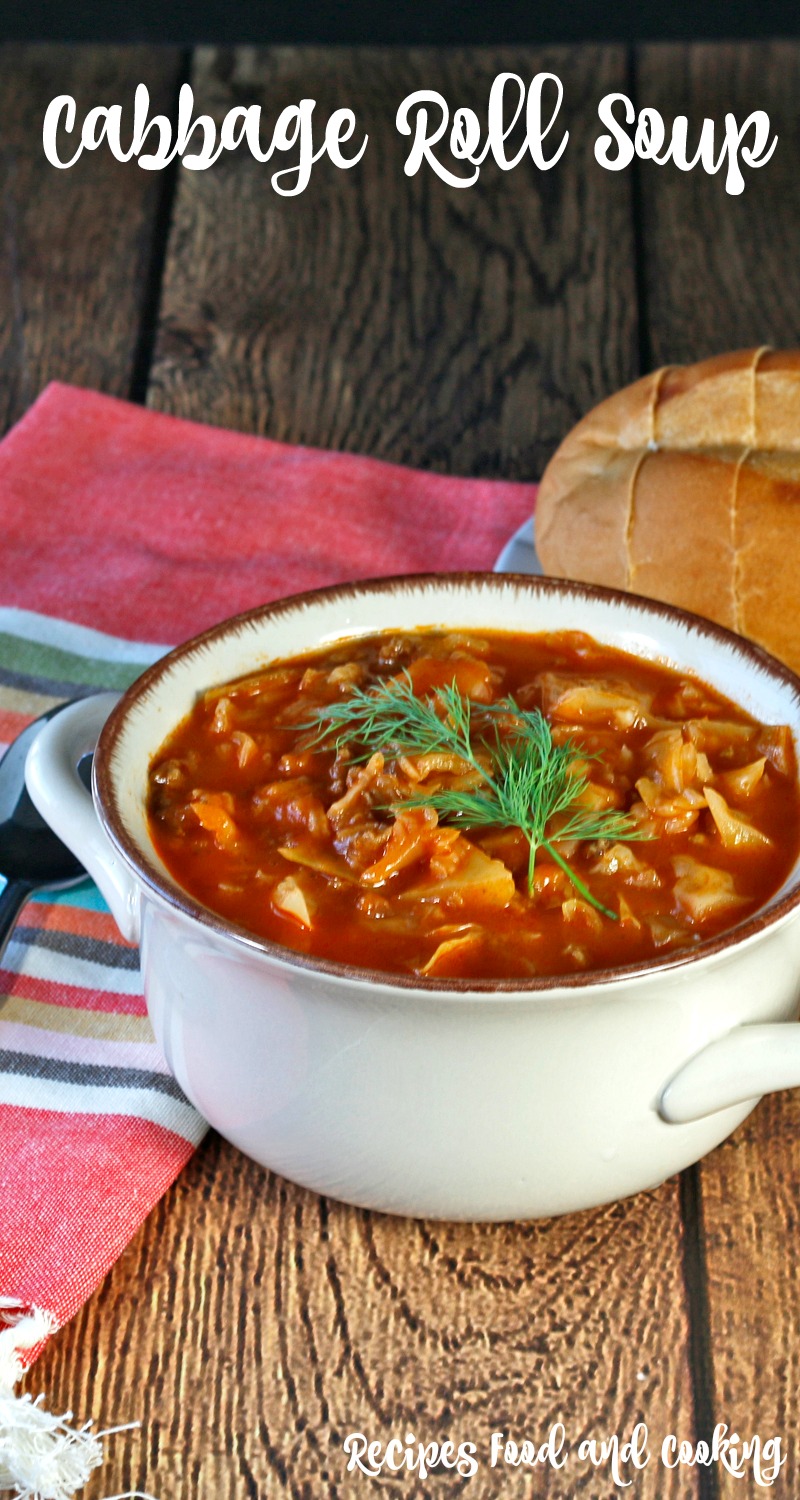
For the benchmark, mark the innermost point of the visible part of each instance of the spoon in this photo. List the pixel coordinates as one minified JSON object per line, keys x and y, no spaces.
{"x":32,"y":858}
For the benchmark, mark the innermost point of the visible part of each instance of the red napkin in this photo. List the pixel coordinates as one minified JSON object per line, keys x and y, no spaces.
{"x":152,"y":527}
{"x":125,"y":521}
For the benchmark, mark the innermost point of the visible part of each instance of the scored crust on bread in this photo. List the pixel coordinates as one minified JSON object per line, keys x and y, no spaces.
{"x":685,"y":486}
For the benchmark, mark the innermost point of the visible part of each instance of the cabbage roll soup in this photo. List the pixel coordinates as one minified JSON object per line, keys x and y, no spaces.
{"x":473,"y":807}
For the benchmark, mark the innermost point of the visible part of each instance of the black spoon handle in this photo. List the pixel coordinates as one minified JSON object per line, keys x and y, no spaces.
{"x":12,"y":899}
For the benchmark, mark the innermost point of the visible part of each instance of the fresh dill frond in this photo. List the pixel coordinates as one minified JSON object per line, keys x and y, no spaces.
{"x":525,"y":780}
{"x":392,"y":715}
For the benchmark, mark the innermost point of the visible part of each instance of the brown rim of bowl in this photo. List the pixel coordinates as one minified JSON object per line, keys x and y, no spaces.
{"x":182,"y":901}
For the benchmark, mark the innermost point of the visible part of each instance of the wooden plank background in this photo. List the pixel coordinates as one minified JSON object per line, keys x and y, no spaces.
{"x":78,"y":248}
{"x":251,"y":1324}
{"x":745,"y":290}
{"x":459,"y":330}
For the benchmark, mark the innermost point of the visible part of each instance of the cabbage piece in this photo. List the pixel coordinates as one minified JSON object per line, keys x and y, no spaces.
{"x":674,"y":813}
{"x":734,"y":828}
{"x":704,"y":770}
{"x":310,"y":679}
{"x":315,"y":857}
{"x":450,"y":954}
{"x":351,"y":805}
{"x":703,"y":890}
{"x":443,"y":765}
{"x":246,"y":748}
{"x":474,"y":679}
{"x":347,"y":674}
{"x":690,"y":698}
{"x":626,"y":916}
{"x":743,"y":781}
{"x":464,"y":645}
{"x":429,"y":920}
{"x":673,"y":759}
{"x":654,"y":798}
{"x":643,"y":821}
{"x":290,"y":898}
{"x":414,"y":837}
{"x":668,"y":932}
{"x":777,"y":743}
{"x":596,"y":797}
{"x":266,"y":686}
{"x":719,"y":735}
{"x":221,"y":722}
{"x":476,"y":883}
{"x":596,"y":702}
{"x":579,"y":913}
{"x":619,"y":859}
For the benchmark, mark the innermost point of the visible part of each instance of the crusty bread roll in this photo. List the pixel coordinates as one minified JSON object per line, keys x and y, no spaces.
{"x":686,"y":487}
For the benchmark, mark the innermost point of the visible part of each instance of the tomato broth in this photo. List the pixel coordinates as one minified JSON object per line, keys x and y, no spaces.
{"x":384,"y":803}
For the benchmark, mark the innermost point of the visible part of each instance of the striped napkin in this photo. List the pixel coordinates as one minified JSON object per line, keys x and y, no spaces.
{"x":74,"y":1038}
{"x":118,"y":522}
{"x":92,"y":1125}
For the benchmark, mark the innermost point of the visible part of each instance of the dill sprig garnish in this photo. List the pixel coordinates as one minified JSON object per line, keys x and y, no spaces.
{"x":525,"y":778}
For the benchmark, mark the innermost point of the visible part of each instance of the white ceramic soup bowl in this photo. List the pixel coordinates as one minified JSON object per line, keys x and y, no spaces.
{"x":449,"y":1099}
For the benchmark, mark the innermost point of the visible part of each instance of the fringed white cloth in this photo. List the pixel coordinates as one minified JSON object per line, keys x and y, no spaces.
{"x":42,"y":1457}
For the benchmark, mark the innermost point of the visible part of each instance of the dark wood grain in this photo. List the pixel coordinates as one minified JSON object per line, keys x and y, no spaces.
{"x":724,"y":272}
{"x":251,"y":1325}
{"x":77,"y":246}
{"x":719,"y":271}
{"x":751,"y":1212}
{"x":455,"y":329}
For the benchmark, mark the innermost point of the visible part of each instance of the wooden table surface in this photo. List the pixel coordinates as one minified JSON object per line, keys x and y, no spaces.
{"x":250,"y":1324}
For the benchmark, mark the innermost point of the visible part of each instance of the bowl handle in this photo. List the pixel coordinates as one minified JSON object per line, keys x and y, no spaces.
{"x":51,"y":775}
{"x":748,"y":1062}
